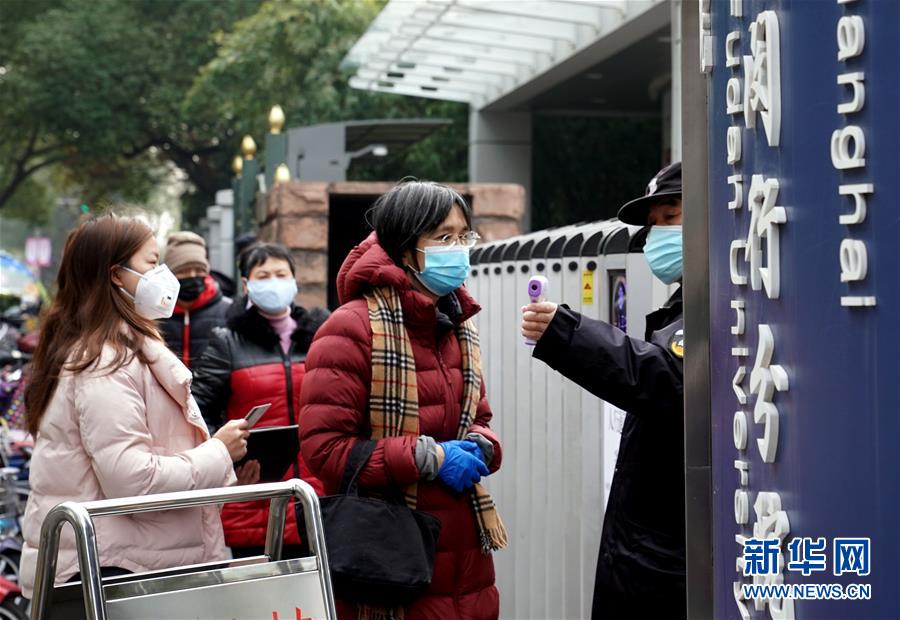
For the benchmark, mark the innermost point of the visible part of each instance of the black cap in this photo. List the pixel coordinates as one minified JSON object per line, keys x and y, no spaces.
{"x":667,"y":182}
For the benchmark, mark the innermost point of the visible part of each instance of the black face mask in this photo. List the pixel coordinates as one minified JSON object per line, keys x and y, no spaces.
{"x":191,"y":288}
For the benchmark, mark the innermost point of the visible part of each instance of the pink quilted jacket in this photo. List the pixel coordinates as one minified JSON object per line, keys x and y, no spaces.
{"x":134,"y":432}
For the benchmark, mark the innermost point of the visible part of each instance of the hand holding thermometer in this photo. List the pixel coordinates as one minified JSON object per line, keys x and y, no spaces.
{"x":537,"y":292}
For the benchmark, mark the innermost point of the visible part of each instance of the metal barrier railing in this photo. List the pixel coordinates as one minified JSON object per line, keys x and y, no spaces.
{"x":80,"y":516}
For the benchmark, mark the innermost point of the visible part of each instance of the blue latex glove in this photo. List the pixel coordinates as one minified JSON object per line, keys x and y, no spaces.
{"x":462,"y":465}
{"x":472,"y":448}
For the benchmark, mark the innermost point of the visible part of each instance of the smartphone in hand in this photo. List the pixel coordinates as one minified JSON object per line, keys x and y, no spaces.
{"x":254,"y":415}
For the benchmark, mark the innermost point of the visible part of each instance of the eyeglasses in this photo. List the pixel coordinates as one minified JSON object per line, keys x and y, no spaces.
{"x":466,"y":240}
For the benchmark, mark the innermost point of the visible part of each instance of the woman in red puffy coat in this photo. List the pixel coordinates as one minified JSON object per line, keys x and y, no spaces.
{"x":419,"y":251}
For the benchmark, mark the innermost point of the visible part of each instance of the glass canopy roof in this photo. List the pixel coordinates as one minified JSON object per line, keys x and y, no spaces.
{"x":476,"y":51}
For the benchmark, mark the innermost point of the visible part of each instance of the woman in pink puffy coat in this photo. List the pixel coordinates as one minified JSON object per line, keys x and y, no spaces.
{"x":111,"y":410}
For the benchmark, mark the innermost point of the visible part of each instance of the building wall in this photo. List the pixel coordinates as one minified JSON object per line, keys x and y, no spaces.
{"x":297,"y":215}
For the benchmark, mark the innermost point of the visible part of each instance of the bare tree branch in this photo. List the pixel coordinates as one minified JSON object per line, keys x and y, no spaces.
{"x":137,"y":151}
{"x":21,"y":169}
{"x":45,"y":150}
{"x":50,"y":160}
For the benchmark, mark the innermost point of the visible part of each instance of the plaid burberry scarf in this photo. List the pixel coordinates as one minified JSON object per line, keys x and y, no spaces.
{"x":394,"y":397}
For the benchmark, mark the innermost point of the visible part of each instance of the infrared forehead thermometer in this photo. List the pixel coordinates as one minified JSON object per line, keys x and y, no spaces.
{"x":537,"y":291}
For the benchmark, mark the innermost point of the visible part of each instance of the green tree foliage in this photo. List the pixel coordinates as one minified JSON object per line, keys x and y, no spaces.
{"x":289,"y":53}
{"x":111,"y":90}
{"x":24,"y":151}
{"x":32,"y":203}
{"x":586,"y":168}
{"x":98,"y":87}
{"x":103,"y":95}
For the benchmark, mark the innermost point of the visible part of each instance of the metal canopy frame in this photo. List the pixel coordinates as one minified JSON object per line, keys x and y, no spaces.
{"x":477,"y":51}
{"x":397,"y":134}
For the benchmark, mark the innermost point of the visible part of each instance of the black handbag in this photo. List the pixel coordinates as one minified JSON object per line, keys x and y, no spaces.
{"x":380,"y":552}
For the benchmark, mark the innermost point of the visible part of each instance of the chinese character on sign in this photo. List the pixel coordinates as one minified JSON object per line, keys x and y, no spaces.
{"x":762,"y":74}
{"x":772,"y":524}
{"x":851,"y":555}
{"x":761,"y":556}
{"x":807,"y":555}
{"x":765,"y":220}
{"x":765,"y":378}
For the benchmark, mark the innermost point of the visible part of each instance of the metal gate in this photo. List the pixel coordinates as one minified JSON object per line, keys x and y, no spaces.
{"x":251,"y":588}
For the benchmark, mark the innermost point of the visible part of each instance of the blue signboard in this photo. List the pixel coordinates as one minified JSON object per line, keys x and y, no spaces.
{"x":804,"y":122}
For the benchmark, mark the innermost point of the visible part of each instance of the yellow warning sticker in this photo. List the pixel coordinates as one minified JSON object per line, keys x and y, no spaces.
{"x":587,"y":287}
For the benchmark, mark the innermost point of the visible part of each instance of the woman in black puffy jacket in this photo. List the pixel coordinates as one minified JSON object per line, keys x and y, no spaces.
{"x":259,"y":358}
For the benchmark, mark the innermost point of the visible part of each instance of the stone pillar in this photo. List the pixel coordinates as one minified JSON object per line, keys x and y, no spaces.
{"x":498,"y":209}
{"x":500,"y":151}
{"x":297,"y":217}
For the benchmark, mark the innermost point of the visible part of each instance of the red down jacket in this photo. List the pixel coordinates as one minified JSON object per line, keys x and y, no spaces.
{"x":334,"y":415}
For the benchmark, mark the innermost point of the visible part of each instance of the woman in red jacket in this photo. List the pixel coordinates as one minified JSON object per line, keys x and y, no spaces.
{"x":410,"y":272}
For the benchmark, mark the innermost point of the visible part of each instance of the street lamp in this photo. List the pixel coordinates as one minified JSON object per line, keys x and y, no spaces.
{"x":323,"y":152}
{"x":276,"y":147}
{"x":377,"y":150}
{"x":282,"y":174}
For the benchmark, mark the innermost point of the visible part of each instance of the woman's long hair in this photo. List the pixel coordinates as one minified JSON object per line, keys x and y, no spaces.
{"x":89,"y":311}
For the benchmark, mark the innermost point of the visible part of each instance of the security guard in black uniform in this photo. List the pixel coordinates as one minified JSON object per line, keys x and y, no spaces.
{"x":641,"y":568}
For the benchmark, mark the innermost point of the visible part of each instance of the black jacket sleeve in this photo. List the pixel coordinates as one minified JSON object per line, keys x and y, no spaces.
{"x":212,"y":379}
{"x":171,"y":330}
{"x":319,"y":316}
{"x":640,"y":377}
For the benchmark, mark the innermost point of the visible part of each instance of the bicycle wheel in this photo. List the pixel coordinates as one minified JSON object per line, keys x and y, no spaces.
{"x":9,"y":564}
{"x":14,"y":607}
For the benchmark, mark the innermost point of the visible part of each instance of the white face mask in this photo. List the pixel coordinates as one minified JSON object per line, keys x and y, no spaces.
{"x":156,"y":293}
{"x":272,"y":295}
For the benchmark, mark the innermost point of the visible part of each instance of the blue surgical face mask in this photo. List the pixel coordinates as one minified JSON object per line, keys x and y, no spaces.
{"x":663,"y":251}
{"x":272,"y":295}
{"x":446,"y":268}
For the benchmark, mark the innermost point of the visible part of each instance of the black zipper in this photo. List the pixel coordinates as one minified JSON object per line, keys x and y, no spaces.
{"x":292,"y":418}
{"x":289,"y":379}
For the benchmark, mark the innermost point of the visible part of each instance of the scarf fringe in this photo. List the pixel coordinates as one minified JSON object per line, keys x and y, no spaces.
{"x":493,"y":537}
{"x":496,"y":537}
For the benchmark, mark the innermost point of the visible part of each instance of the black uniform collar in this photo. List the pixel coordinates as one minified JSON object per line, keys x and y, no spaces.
{"x":674,"y":300}
{"x":669,"y":312}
